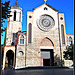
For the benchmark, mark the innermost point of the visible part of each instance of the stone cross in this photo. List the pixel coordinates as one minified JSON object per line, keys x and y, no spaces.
{"x":45,"y":1}
{"x":16,"y":2}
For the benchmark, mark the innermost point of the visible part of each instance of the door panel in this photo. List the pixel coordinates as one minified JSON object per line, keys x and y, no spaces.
{"x":46,"y":62}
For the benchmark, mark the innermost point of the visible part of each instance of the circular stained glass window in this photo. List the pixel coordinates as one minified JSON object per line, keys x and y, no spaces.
{"x":45,"y":22}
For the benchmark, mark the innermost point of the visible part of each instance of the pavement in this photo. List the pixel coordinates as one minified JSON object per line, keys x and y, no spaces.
{"x":39,"y":71}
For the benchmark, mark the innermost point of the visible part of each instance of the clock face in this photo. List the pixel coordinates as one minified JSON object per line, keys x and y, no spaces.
{"x":45,"y":22}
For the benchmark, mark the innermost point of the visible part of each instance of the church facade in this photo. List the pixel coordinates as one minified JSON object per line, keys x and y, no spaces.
{"x":43,"y":43}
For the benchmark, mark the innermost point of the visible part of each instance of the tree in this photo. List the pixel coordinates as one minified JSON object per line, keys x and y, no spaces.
{"x":68,"y":54}
{"x":57,"y":61}
{"x":5,"y":14}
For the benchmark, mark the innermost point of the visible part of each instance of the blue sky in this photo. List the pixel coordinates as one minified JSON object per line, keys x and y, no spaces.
{"x":64,"y":6}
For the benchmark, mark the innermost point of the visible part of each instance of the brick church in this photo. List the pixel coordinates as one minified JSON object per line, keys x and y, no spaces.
{"x":42,"y":44}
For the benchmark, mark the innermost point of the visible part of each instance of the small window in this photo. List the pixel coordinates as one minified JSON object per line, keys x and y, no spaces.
{"x":12,"y":43}
{"x":21,"y":40}
{"x":61,"y":18}
{"x":45,"y":8}
{"x":20,"y":53}
{"x":14,"y":38}
{"x":30,"y":16}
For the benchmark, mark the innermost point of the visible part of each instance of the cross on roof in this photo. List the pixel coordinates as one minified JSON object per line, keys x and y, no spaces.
{"x":45,"y":1}
{"x":16,"y":2}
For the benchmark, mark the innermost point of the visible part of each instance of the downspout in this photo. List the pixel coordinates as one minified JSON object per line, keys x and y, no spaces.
{"x":59,"y":40}
{"x":25,"y":50}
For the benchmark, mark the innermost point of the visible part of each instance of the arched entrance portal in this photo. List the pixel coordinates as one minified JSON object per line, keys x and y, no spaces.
{"x":10,"y":57}
{"x":47,"y":52}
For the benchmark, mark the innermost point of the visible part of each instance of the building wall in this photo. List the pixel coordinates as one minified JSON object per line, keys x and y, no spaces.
{"x":40,"y":39}
{"x":20,"y":60}
{"x":33,"y":48}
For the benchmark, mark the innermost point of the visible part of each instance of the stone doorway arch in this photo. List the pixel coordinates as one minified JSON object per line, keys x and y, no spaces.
{"x":10,"y":58}
{"x":46,"y":42}
{"x":47,"y":52}
{"x":7,"y":51}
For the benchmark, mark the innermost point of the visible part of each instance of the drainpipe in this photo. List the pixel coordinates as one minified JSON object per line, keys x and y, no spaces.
{"x":59,"y":40}
{"x":25,"y":50}
{"x":60,"y":46}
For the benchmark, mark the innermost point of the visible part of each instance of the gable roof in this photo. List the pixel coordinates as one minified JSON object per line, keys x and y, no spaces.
{"x":47,"y":5}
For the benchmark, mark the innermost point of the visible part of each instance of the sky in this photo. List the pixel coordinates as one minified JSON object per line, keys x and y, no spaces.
{"x":63,"y":6}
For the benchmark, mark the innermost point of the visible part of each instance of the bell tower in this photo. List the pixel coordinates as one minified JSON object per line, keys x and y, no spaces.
{"x":14,"y":23}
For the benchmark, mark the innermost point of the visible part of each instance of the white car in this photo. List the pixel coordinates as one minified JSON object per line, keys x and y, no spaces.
{"x":71,"y":67}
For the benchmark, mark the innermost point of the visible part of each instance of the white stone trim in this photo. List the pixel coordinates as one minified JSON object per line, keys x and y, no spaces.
{"x":46,"y":47}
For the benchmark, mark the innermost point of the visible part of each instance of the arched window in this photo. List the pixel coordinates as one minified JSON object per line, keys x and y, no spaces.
{"x":30,"y":32}
{"x":62,"y":34}
{"x":21,"y":39}
{"x":15,"y":16}
{"x":70,"y":40}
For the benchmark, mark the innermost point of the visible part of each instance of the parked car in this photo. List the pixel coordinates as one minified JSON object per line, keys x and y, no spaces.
{"x":71,"y":67}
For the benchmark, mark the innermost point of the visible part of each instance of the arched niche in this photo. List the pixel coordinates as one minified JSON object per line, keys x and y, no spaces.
{"x":46,"y":42}
{"x":9,"y":58}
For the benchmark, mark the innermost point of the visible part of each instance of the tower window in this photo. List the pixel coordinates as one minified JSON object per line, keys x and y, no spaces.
{"x":15,"y":16}
{"x":14,"y":38}
{"x":29,"y":35}
{"x":62,"y":33}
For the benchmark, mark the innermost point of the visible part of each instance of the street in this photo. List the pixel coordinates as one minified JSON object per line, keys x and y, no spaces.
{"x":39,"y":72}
